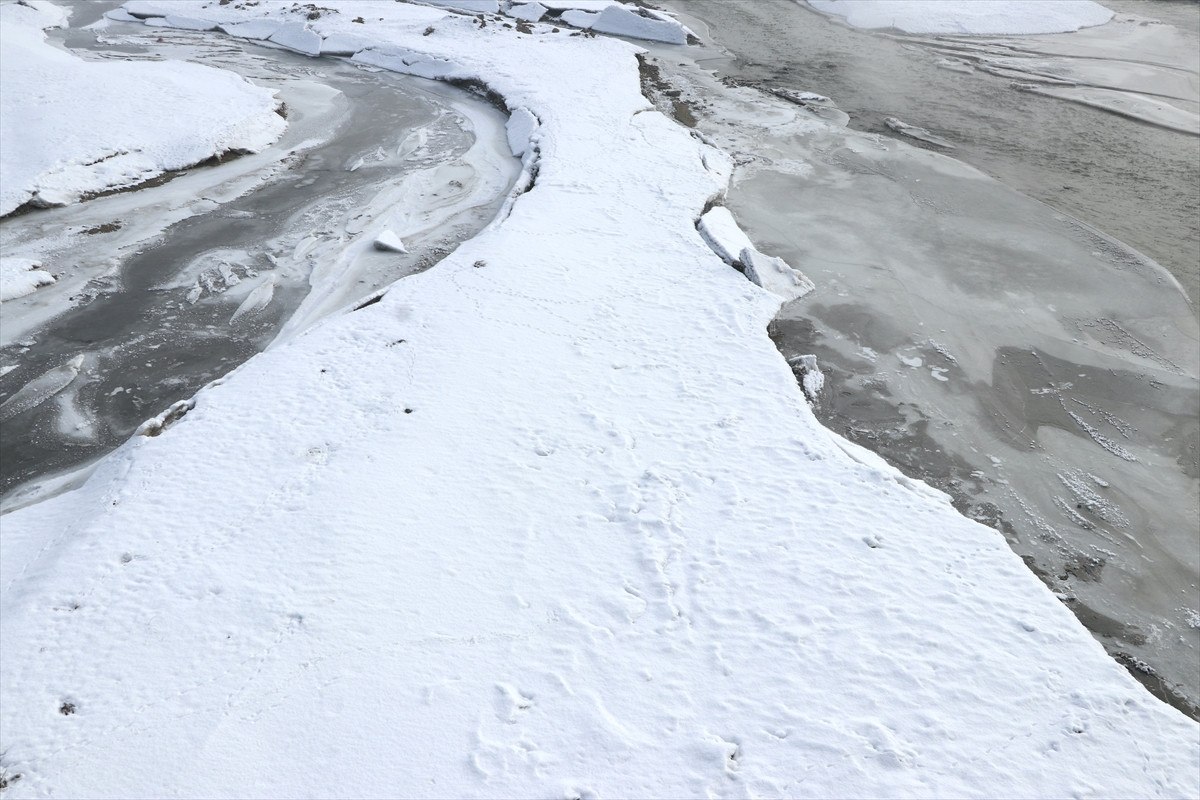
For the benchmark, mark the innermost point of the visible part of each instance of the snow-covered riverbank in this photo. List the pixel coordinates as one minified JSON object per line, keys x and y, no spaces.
{"x":73,"y":128}
{"x":551,"y":518}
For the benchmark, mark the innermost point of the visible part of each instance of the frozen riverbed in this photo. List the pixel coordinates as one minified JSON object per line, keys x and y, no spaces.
{"x":1039,"y":371}
{"x":156,"y":310}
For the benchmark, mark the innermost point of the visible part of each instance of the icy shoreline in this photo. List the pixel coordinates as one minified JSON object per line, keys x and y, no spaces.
{"x":551,"y":517}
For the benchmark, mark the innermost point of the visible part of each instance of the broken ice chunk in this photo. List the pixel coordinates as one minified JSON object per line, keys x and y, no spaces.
{"x":774,"y":275}
{"x":390,"y":242}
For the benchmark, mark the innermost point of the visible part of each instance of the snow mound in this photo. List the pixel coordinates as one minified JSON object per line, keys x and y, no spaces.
{"x":969,"y":17}
{"x":389,"y":242}
{"x":529,"y":12}
{"x":72,"y":127}
{"x":21,"y":276}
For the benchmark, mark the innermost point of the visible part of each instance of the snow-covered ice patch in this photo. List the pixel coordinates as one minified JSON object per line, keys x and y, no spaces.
{"x":529,"y":12}
{"x":21,"y":276}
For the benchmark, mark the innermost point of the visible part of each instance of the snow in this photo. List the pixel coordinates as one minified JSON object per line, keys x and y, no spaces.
{"x":389,"y":241}
{"x":530,"y":12}
{"x":298,"y":37}
{"x":473,"y":6}
{"x":721,"y":232}
{"x":190,"y":23}
{"x":552,"y":518}
{"x":580,"y":19}
{"x":72,"y":127}
{"x":625,"y":21}
{"x":619,"y":19}
{"x":21,"y":276}
{"x":723,"y":235}
{"x":252,"y":29}
{"x":581,"y":5}
{"x":970,"y":17}
{"x":520,"y":130}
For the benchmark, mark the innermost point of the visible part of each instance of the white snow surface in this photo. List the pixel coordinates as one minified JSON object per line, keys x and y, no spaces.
{"x":21,"y":276}
{"x":529,"y":12}
{"x":622,"y":20}
{"x":389,"y":241}
{"x":969,"y":17}
{"x":558,"y":525}
{"x":72,"y":127}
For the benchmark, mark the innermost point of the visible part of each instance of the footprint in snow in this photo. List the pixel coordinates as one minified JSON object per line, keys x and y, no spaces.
{"x":511,"y":703}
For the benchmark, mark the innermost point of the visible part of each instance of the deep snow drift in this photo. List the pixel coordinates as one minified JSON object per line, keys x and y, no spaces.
{"x":972,"y":17}
{"x":551,"y":518}
{"x":72,"y":127}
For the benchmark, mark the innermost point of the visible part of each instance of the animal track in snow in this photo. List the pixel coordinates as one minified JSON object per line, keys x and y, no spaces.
{"x":511,"y":703}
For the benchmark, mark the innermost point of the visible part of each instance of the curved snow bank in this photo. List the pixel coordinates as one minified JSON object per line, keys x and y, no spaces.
{"x":549,"y":519}
{"x":969,"y":16}
{"x":21,"y":276}
{"x":72,"y":127}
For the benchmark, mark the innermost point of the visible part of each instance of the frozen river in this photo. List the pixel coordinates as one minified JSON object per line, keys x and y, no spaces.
{"x":156,"y":312}
{"x":993,"y":337}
